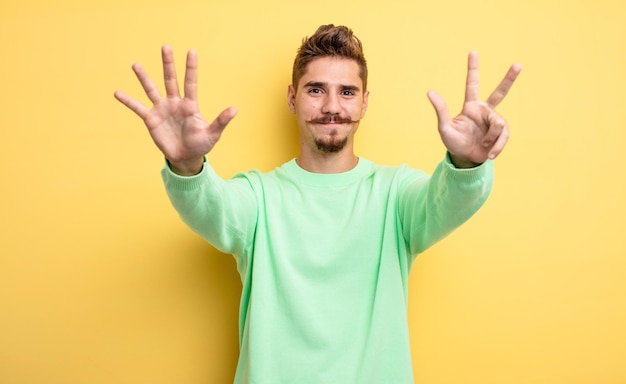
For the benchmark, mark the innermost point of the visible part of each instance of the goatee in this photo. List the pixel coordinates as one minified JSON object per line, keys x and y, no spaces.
{"x":331,"y":146}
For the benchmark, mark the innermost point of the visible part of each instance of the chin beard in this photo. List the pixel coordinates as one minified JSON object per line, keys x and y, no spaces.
{"x":331,"y":146}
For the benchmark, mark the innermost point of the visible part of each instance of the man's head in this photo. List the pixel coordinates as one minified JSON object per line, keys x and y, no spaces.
{"x":328,"y":93}
{"x":329,"y":41}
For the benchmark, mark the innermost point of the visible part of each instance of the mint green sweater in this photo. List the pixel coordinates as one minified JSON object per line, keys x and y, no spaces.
{"x":324,"y":260}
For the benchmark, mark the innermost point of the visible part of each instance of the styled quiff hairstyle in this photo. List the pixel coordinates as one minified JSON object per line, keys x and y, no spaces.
{"x":329,"y":41}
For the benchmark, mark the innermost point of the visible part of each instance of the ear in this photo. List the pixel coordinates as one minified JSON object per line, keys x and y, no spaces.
{"x":365,"y":103}
{"x":291,"y":98}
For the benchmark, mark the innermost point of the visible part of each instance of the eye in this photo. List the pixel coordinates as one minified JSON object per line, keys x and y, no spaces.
{"x":315,"y":90}
{"x":347,"y":93}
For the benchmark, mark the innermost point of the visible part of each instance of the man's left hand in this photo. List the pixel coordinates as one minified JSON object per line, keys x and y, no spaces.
{"x":478,"y":133}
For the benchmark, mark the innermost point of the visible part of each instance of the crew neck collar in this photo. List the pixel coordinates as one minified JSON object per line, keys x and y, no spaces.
{"x":362,"y":168}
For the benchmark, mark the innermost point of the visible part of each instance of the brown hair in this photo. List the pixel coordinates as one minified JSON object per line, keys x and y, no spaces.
{"x":329,"y":41}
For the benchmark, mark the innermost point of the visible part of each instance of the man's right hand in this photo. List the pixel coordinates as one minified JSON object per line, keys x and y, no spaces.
{"x":174,"y":123}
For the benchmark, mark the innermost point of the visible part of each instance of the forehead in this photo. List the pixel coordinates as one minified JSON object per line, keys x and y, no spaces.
{"x":332,"y":71}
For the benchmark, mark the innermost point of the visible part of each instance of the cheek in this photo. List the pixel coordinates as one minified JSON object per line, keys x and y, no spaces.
{"x":307,"y":109}
{"x":356,"y":112}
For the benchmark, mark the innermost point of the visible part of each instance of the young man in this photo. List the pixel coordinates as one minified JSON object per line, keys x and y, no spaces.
{"x":324,"y":244}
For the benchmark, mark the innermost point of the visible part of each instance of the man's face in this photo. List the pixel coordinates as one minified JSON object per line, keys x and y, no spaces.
{"x":328,"y":104}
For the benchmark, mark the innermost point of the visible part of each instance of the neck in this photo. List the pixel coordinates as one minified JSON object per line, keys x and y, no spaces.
{"x":318,"y":162}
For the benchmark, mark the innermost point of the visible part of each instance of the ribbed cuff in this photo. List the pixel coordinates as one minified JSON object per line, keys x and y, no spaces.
{"x":185,"y":183}
{"x":468,"y":175}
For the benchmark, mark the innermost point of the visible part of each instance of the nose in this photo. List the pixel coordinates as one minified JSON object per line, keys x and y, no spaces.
{"x":331,"y":105}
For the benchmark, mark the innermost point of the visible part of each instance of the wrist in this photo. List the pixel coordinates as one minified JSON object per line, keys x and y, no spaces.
{"x":186,"y":168}
{"x":461,"y":163}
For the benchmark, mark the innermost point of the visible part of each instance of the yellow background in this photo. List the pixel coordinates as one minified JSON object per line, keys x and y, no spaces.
{"x":101,"y":283}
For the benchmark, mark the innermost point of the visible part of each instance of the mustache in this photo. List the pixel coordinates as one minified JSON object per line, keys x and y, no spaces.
{"x":331,"y":119}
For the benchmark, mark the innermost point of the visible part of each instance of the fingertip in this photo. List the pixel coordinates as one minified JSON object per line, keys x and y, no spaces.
{"x":192,"y":56}
{"x":494,"y":153}
{"x":433,"y":95}
{"x":228,"y":114}
{"x":435,"y":99}
{"x":120,"y":96}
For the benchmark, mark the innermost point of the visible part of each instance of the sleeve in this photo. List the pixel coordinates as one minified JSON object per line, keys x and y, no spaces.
{"x":432,"y":207}
{"x":223,"y":212}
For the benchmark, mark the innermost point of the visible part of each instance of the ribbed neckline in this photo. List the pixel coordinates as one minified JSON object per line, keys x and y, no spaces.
{"x":325,"y":180}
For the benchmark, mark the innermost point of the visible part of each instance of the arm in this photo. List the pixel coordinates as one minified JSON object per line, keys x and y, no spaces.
{"x":432,"y":207}
{"x":223,"y":212}
{"x":478,"y":133}
{"x":174,"y":122}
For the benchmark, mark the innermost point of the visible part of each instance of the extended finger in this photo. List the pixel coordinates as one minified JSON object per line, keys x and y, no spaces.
{"x":169,"y":72}
{"x":132,"y":104}
{"x":503,"y":88}
{"x":191,"y":76}
{"x":443,"y":115}
{"x":148,"y":86}
{"x":471,"y":84}
{"x":222,"y":120}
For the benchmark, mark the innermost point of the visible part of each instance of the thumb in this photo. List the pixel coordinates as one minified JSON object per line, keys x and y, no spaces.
{"x":225,"y":117}
{"x":443,"y":115}
{"x":222,"y":120}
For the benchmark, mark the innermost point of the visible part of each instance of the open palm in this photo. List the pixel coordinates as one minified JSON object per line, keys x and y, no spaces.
{"x":174,"y":122}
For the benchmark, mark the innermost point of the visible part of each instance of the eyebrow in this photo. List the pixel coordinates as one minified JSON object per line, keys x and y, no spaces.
{"x":323,"y":84}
